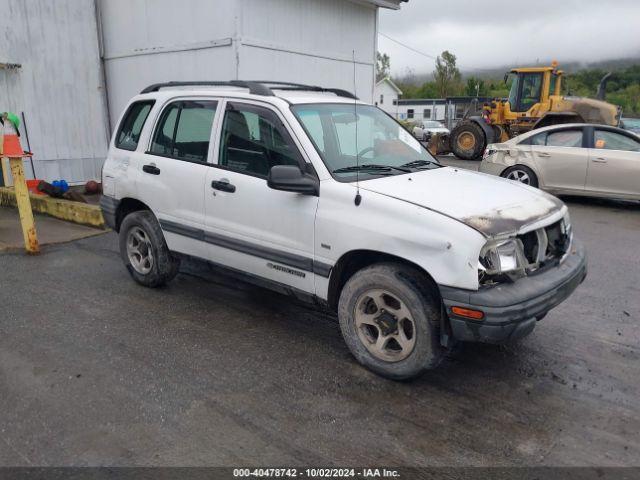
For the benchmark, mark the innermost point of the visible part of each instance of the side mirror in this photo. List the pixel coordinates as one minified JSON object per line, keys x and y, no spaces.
{"x":289,"y":178}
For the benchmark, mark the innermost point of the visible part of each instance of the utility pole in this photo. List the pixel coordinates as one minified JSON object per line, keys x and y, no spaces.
{"x":10,"y":148}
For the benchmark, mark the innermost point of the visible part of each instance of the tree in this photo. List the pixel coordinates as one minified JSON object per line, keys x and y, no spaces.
{"x":446,"y":75}
{"x":383,"y":66}
{"x":475,"y":87}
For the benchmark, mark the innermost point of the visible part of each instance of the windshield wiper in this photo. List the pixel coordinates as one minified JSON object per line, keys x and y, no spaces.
{"x":419,"y":163}
{"x":370,"y":166}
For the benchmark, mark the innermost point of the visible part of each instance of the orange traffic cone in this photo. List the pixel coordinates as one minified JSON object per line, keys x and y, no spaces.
{"x":11,"y":149}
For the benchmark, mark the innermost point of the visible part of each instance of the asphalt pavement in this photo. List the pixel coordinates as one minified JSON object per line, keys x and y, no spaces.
{"x":96,"y":370}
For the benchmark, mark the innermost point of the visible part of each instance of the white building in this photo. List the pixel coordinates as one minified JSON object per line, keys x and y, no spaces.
{"x":80,"y":61}
{"x":386,"y":95}
{"x":417,"y":110}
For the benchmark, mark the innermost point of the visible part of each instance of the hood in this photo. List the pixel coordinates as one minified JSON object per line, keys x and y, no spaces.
{"x":437,"y":129}
{"x":492,"y":205}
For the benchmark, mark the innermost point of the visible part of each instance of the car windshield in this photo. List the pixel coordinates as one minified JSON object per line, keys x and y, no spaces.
{"x":433,"y":125}
{"x":380,"y":147}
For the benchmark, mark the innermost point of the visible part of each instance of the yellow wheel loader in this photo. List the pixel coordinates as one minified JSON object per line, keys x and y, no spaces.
{"x":534,"y":101}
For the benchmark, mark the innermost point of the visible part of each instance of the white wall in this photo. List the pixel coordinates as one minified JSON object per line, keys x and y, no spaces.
{"x":306,"y":41}
{"x":389,"y":96}
{"x":59,"y":87}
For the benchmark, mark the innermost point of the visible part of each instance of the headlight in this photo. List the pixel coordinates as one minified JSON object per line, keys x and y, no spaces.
{"x":502,"y":256}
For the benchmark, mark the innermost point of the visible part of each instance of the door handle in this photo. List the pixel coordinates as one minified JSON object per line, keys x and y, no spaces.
{"x":223,"y":186}
{"x":544,"y":154}
{"x":599,"y":160}
{"x":151,"y":169}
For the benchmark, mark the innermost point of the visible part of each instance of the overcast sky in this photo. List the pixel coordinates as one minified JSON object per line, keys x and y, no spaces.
{"x":494,"y":33}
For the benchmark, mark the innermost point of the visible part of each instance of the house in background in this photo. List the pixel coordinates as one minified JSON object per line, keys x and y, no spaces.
{"x":80,"y":61}
{"x":386,"y":95}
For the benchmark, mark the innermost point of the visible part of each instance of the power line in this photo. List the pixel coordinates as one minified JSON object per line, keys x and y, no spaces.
{"x":428,"y":55}
{"x":408,"y":47}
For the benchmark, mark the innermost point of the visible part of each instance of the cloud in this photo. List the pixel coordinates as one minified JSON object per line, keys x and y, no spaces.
{"x":491,"y":33}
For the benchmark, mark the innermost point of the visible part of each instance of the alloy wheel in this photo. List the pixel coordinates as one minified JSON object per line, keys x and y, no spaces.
{"x":519,"y":176}
{"x":385,"y":325}
{"x":139,"y":250}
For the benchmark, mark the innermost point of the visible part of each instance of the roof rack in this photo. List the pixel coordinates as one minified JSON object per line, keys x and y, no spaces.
{"x":256,"y":87}
{"x":302,"y":87}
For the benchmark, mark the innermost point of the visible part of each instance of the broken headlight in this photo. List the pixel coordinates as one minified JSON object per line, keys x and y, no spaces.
{"x":502,"y":256}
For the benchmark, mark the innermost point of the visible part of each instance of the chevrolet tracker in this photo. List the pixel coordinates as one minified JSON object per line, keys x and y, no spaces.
{"x":313,"y":193}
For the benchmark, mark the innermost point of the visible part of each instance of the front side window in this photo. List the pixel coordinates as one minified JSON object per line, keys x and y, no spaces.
{"x":184,"y":131}
{"x":539,"y":139}
{"x":608,"y":140}
{"x":254,"y":140}
{"x":531,"y":91}
{"x":361,"y":140}
{"x":565,"y":138}
{"x":129,"y":133}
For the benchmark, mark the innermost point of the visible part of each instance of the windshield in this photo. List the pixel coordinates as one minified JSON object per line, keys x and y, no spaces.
{"x":382,"y":146}
{"x":433,"y":125}
{"x":513,"y":93}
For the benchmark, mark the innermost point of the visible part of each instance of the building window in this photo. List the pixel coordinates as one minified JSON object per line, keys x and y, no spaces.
{"x":427,"y":113}
{"x":410,"y":113}
{"x":381,"y":99}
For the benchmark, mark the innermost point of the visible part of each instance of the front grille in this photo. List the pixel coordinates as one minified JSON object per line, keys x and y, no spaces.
{"x":545,"y":244}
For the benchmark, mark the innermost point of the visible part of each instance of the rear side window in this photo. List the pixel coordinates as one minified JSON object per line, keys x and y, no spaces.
{"x":129,"y":133}
{"x":608,"y":140}
{"x":184,"y":131}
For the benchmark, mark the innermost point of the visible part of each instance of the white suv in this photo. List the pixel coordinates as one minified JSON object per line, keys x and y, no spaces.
{"x":313,"y":193}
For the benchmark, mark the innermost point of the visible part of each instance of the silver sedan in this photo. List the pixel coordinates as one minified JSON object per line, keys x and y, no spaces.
{"x":571,"y":159}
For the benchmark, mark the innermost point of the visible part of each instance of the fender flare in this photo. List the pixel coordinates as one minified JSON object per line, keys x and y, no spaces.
{"x":489,"y":134}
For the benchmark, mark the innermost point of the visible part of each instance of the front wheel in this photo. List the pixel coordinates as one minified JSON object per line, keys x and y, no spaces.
{"x":389,"y":318}
{"x":522,"y":174}
{"x":468,"y":140}
{"x":145,"y":252}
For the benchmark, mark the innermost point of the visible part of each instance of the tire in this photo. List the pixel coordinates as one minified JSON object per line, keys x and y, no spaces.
{"x":468,"y":141}
{"x":522,"y":174}
{"x":140,"y":232}
{"x":399,"y":289}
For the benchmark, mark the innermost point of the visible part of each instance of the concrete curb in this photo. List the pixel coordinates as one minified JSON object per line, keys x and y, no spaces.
{"x":76,"y":212}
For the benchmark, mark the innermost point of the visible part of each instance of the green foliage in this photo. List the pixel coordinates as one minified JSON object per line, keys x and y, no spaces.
{"x":623,"y":88}
{"x":383,"y":65}
{"x":446,"y":75}
{"x":475,"y":87}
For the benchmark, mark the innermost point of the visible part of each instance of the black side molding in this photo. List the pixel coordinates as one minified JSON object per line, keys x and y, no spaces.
{"x":299,"y":262}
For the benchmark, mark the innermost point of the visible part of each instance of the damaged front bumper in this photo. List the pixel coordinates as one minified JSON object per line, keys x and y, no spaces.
{"x":510,"y":310}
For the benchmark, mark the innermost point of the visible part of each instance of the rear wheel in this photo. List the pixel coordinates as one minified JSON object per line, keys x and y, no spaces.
{"x":468,"y":141}
{"x":521,"y":174}
{"x":144,"y":250}
{"x":389,"y":318}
